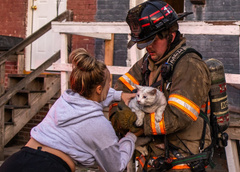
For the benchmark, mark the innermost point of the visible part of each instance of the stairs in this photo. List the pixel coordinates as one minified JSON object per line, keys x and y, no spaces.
{"x":28,"y":101}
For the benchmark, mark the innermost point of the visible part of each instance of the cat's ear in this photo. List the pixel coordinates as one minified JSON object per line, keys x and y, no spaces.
{"x":153,"y":91}
{"x":138,"y":86}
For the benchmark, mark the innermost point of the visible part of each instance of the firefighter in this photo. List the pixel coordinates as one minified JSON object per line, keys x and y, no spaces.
{"x":181,"y":141}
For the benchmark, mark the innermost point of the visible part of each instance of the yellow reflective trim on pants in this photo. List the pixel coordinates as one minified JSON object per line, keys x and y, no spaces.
{"x":185,"y":105}
{"x":141,"y":159}
{"x":180,"y":166}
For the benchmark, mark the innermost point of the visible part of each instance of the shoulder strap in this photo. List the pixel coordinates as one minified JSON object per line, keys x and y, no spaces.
{"x":180,"y":53}
{"x":168,"y":67}
{"x":145,"y":70}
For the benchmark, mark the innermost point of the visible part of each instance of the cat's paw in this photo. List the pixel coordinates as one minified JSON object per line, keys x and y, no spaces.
{"x":158,"y":118}
{"x":139,"y":122}
{"x":142,"y":149}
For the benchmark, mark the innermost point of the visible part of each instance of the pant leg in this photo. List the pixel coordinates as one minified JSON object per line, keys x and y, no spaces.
{"x":31,"y":160}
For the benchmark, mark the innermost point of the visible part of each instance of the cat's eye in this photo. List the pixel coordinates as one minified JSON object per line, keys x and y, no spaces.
{"x":144,"y":97}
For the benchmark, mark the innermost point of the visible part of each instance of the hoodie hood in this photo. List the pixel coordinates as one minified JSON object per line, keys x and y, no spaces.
{"x":72,"y":108}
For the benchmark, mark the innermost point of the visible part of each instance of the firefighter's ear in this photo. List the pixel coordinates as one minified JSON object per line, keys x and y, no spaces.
{"x":173,"y":36}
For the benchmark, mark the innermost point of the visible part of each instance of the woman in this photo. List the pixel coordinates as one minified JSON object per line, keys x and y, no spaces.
{"x":75,"y":130}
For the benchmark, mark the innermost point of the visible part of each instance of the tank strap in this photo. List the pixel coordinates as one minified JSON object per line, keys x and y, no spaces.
{"x":162,"y":165}
{"x":145,"y":70}
{"x":168,"y":68}
{"x":191,"y":158}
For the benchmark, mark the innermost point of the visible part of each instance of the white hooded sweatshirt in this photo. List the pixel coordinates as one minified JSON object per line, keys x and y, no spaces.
{"x":78,"y":127}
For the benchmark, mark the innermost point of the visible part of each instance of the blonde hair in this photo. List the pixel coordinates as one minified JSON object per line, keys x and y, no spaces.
{"x":87,"y":72}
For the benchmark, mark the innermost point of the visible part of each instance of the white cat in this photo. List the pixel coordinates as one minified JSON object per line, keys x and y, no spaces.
{"x":147,"y":100}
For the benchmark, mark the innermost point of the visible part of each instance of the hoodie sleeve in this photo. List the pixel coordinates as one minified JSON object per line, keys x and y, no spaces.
{"x":115,"y":157}
{"x":113,"y":95}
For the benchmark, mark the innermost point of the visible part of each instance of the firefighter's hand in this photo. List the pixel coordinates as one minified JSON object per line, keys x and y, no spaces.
{"x":139,"y":132}
{"x":124,"y":119}
{"x":126,"y":97}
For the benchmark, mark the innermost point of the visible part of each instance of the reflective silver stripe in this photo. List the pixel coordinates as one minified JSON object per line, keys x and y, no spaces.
{"x":157,"y":127}
{"x":129,"y":81}
{"x":187,"y":108}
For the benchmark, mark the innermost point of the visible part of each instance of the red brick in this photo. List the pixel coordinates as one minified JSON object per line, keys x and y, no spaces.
{"x":84,"y":10}
{"x":16,"y":11}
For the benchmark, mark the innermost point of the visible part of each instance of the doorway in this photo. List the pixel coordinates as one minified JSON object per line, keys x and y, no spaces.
{"x":42,"y":12}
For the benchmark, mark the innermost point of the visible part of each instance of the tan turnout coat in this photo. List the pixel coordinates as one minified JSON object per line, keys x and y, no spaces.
{"x":187,"y":94}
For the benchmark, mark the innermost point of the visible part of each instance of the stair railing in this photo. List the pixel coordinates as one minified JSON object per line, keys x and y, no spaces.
{"x":5,"y":97}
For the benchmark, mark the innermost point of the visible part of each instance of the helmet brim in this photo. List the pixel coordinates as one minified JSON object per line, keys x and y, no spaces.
{"x":142,"y":44}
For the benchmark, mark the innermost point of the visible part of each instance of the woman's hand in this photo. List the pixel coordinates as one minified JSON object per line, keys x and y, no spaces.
{"x":126,"y":97}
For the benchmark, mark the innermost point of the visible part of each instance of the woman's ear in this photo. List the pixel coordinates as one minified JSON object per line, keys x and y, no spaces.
{"x":99,"y":89}
{"x":173,"y":36}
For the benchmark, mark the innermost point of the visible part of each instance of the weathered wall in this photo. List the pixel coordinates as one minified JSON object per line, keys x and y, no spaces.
{"x":13,"y":18}
{"x":214,"y":10}
{"x":112,"y":11}
{"x":222,"y":47}
{"x":84,"y":11}
{"x":13,"y":23}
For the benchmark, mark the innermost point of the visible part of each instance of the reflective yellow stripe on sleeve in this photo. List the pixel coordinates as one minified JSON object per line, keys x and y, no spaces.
{"x":185,"y":105}
{"x":128,"y":80}
{"x":157,"y":127}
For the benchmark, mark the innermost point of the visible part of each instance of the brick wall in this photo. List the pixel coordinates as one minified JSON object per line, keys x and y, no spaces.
{"x":222,"y":47}
{"x":214,"y":10}
{"x":112,"y":11}
{"x":10,"y":68}
{"x":84,"y":11}
{"x":13,"y":13}
{"x":24,"y":134}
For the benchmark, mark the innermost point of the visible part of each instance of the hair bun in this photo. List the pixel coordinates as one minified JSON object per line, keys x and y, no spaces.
{"x":82,"y":60}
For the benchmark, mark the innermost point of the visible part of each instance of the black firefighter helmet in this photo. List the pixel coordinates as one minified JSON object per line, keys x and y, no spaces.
{"x":148,"y":18}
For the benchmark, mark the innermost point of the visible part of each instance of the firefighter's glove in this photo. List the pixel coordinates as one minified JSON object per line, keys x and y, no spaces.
{"x":124,"y":119}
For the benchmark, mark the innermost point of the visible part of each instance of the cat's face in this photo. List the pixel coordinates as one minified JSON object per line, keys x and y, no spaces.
{"x":146,"y":96}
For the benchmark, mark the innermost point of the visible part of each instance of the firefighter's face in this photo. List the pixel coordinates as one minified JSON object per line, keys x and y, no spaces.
{"x":157,"y":48}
